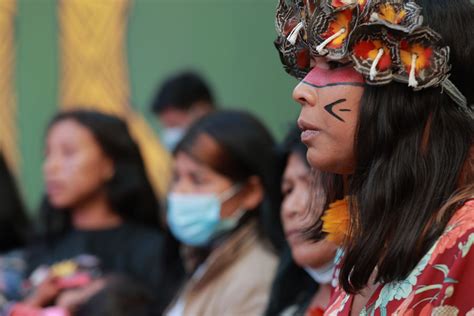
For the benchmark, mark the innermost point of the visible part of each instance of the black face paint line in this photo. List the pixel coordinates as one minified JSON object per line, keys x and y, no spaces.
{"x":336,"y":84}
{"x":330,"y":106}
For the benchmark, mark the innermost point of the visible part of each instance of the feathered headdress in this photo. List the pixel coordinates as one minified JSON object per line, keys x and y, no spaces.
{"x":385,"y":40}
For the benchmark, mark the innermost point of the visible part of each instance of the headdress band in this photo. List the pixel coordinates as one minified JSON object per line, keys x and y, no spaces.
{"x":385,"y":39}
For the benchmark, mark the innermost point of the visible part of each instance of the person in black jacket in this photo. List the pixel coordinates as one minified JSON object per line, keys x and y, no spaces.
{"x":99,"y":202}
{"x":14,"y":221}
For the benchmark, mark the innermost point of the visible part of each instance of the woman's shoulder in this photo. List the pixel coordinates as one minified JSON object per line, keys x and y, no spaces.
{"x":444,"y":278}
{"x":261,"y":250}
{"x":244,"y":259}
{"x":248,"y":247}
{"x":257,"y":265}
{"x":463,"y":217}
{"x":244,"y":287}
{"x":458,"y":236}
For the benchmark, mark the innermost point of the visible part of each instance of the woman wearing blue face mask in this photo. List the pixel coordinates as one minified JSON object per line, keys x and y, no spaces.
{"x":224,"y":199}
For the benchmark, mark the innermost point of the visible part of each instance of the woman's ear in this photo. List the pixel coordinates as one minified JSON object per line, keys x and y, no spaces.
{"x":253,"y":193}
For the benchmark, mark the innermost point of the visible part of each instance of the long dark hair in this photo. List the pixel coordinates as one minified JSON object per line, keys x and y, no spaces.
{"x":410,"y":148}
{"x":14,"y":222}
{"x":129,"y":191}
{"x":246,"y":148}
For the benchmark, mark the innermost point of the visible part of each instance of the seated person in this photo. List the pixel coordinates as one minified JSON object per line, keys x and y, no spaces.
{"x":99,"y":202}
{"x":302,"y":285}
{"x":179,"y":101}
{"x":223,"y":199}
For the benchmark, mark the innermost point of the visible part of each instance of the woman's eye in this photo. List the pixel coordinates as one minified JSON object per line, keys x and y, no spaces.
{"x":286,"y":190}
{"x":175,"y":178}
{"x":197,"y":179}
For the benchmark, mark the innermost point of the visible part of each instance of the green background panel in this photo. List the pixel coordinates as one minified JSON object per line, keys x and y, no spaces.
{"x":36,"y":87}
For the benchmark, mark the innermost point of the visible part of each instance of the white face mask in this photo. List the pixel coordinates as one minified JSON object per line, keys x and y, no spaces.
{"x":195,"y":219}
{"x":322,"y":275}
{"x":171,"y":137}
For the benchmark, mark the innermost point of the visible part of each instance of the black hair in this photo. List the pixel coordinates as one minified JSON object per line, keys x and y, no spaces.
{"x":246,"y":149}
{"x":14,"y":222}
{"x":121,"y":296}
{"x":129,"y":191}
{"x":410,"y":148}
{"x":181,"y":92}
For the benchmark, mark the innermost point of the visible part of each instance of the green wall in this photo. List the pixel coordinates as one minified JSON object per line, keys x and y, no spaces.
{"x":230,"y":42}
{"x":36,"y":84}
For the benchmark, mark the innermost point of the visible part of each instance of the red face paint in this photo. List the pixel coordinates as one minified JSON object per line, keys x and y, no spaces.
{"x":320,"y":77}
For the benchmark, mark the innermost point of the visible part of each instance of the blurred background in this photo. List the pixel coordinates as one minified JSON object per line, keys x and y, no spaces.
{"x":113,"y":55}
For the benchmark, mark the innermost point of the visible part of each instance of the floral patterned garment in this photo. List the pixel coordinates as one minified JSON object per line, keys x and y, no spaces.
{"x":441,"y":284}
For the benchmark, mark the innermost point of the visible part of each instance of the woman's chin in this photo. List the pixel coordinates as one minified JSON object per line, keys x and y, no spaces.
{"x":305,"y":257}
{"x":322,"y":162}
{"x":319,"y":161}
{"x":59,"y":203}
{"x":314,"y":255}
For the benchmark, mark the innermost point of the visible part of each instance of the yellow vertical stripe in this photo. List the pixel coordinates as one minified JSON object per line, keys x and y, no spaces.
{"x":94,"y":72}
{"x":8,"y":111}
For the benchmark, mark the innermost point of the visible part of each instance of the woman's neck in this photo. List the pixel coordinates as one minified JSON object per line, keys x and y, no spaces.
{"x":95,"y":214}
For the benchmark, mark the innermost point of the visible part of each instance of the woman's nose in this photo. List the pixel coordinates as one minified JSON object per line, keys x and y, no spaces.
{"x":50,"y":166}
{"x":305,"y":94}
{"x":292,"y":206}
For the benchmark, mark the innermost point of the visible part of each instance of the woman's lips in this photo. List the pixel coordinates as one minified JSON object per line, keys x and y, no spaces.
{"x":308,"y":131}
{"x":308,"y":134}
{"x":53,"y":187}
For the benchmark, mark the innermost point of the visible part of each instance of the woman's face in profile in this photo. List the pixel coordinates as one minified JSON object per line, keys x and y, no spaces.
{"x":75,"y":167}
{"x":296,"y":189}
{"x":329,"y":97}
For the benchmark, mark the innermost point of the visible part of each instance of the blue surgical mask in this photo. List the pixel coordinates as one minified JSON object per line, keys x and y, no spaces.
{"x":322,"y":275}
{"x":195,"y":219}
{"x":172,"y":136}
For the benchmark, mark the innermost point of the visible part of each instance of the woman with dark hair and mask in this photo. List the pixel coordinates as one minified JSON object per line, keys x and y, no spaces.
{"x":224,"y":199}
{"x":386,"y":101}
{"x":100,"y":203}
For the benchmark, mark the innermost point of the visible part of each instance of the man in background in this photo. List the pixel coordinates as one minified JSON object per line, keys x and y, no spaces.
{"x":180,"y":100}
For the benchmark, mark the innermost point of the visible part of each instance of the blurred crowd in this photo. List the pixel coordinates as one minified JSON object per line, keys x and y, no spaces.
{"x":226,"y":240}
{"x":373,"y":215}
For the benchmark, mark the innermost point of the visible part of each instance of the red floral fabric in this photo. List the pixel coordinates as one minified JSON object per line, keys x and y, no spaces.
{"x":441,"y":284}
